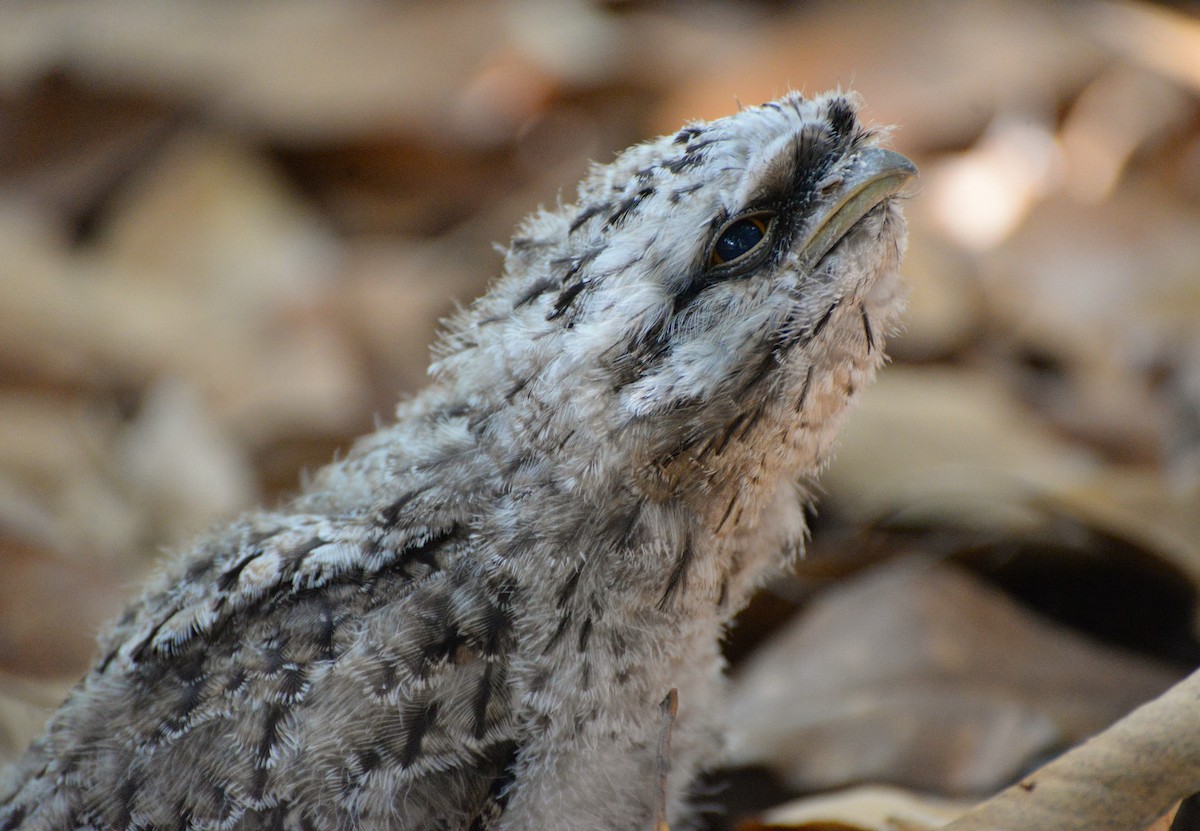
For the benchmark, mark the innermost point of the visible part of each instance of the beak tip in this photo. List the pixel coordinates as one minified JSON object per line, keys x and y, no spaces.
{"x":897,"y":163}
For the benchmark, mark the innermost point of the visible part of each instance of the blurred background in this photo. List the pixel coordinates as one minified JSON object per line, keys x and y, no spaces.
{"x":228,"y":231}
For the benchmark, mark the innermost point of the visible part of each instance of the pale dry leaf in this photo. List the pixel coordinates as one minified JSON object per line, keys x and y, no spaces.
{"x":867,"y":808}
{"x":390,"y":299}
{"x":979,"y":197}
{"x":945,"y":304}
{"x":183,"y":472}
{"x":57,"y":489}
{"x":1141,"y":505}
{"x":1182,"y":391}
{"x":950,"y":445}
{"x":206,"y":270}
{"x":1042,"y":60}
{"x":919,"y":674}
{"x":212,"y":219}
{"x":1092,"y":300}
{"x":305,"y":71}
{"x":49,"y":438}
{"x":1115,"y":116}
{"x":211,"y":247}
{"x":570,"y":39}
{"x":39,"y":321}
{"x":1161,"y":38}
{"x":1122,"y":779}
{"x":1166,"y":822}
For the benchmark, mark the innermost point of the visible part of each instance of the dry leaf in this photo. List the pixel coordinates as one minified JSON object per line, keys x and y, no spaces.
{"x":867,"y":808}
{"x":1124,"y":778}
{"x":951,"y":444}
{"x":920,"y":675}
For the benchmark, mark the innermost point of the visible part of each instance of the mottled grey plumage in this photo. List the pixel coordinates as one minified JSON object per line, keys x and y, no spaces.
{"x":470,"y":621}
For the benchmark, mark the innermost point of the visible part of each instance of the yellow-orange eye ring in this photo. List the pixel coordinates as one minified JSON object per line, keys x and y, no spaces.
{"x":739,"y":238}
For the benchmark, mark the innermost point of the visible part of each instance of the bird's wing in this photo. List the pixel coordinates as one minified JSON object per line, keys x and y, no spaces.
{"x":306,"y":672}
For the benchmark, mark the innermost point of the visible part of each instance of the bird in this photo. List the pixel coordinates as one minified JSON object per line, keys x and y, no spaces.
{"x":472,"y":618}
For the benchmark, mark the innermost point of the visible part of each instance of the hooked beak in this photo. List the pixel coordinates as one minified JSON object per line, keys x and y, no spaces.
{"x":873,"y":175}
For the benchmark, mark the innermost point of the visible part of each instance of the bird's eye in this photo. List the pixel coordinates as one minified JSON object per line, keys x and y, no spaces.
{"x":739,"y":238}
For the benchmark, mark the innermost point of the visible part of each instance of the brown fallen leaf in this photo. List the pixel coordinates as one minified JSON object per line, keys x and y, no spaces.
{"x":1123,"y":778}
{"x":864,"y":45}
{"x":1161,"y":38}
{"x":918,"y":674}
{"x":952,"y":444}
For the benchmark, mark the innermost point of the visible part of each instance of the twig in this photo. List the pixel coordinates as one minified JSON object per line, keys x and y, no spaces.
{"x":670,"y":706}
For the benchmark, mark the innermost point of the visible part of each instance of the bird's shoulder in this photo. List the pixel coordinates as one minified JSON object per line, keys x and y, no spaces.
{"x":301,"y":666}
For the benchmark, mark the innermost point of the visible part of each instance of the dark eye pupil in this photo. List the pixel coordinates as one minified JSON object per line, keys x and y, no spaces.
{"x":739,"y":238}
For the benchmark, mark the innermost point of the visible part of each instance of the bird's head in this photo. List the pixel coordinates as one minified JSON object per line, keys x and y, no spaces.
{"x":706,"y":288}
